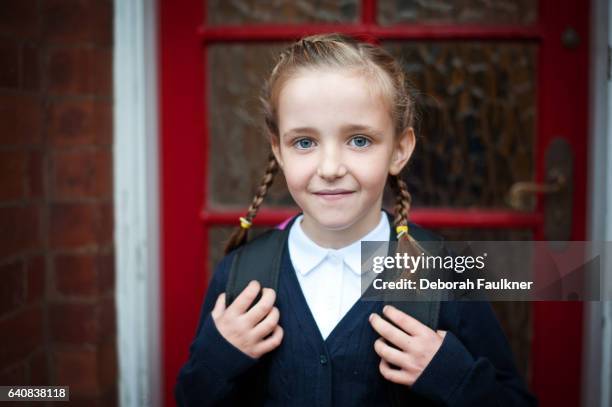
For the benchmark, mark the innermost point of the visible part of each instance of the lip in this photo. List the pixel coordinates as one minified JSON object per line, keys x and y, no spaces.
{"x":333,"y":194}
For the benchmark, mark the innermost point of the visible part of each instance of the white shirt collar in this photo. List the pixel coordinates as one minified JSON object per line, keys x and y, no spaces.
{"x":307,"y":255}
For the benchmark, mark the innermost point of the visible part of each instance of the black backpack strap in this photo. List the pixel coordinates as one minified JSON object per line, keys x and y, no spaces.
{"x":259,"y":260}
{"x":426,"y":310}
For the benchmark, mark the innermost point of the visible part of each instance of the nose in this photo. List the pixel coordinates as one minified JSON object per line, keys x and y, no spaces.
{"x":330,"y":164}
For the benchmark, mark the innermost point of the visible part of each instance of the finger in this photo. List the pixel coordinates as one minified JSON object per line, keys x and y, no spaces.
{"x":271,"y":342}
{"x":244,"y":300}
{"x":404,"y":321}
{"x":219,"y":306}
{"x":390,"y":354}
{"x":441,"y":333}
{"x":263,"y":306}
{"x":390,"y":332}
{"x":393,"y":375}
{"x":268,"y":324}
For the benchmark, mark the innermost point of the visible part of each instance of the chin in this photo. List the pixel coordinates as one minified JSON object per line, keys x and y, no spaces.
{"x":335,"y":220}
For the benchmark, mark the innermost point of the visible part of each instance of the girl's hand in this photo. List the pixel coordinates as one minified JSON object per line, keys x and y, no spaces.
{"x":416,"y":345}
{"x":254,"y":331}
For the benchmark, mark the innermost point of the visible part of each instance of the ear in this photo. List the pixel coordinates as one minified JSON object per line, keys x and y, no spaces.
{"x":274,"y":142}
{"x":402,"y":152}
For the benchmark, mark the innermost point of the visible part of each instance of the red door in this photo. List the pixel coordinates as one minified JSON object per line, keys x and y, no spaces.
{"x":498,"y":81}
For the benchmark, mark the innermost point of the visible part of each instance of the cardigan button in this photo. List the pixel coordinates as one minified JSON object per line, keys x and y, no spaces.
{"x":323,"y":359}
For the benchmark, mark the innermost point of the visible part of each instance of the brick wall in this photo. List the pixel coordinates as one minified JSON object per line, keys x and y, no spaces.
{"x":57,"y":312}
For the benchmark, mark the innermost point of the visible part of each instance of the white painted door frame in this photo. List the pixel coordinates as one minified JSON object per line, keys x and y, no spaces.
{"x":597,"y":360}
{"x":136,"y":202}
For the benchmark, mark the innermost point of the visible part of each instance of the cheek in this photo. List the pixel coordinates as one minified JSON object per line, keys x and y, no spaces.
{"x":295,"y":182}
{"x":372,"y":173}
{"x":297,"y":175}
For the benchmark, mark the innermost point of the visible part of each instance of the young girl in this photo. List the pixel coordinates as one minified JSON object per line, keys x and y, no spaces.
{"x":340,"y":122}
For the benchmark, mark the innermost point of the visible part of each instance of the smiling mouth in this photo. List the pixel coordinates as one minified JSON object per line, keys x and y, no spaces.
{"x":333,"y":194}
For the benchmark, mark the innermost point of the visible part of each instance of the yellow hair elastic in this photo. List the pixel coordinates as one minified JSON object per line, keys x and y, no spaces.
{"x":245,"y":223}
{"x":401,"y":230}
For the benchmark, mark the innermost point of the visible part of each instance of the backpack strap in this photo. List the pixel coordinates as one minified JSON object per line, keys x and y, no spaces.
{"x":259,"y":260}
{"x":427,"y":309}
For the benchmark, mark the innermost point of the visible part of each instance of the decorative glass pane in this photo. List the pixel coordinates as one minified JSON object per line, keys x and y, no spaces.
{"x":476,"y":121}
{"x":281,"y":11}
{"x":457,"y":11}
{"x":238,"y":145}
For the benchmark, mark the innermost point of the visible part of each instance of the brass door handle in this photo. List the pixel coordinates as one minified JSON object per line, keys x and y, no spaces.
{"x":518,"y":191}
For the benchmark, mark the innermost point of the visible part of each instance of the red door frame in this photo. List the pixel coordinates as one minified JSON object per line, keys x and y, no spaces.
{"x":562,"y":101}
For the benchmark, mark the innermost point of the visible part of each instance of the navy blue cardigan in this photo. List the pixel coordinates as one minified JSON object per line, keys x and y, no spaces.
{"x":473,"y":367}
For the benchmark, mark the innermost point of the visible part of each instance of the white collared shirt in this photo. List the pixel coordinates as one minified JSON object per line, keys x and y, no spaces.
{"x":330,"y":278}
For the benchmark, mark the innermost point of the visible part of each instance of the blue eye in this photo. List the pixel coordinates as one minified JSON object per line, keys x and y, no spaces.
{"x":360,"y":141}
{"x":303,"y":143}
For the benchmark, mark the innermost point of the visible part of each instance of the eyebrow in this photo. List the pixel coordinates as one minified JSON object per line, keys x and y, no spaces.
{"x":345,"y":128}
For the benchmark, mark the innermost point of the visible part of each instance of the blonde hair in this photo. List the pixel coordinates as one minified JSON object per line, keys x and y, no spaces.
{"x":325,"y":51}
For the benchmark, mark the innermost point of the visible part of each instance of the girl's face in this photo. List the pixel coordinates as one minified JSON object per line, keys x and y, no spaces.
{"x":336,"y":147}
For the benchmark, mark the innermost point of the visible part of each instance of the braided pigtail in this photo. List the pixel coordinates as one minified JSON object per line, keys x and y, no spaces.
{"x":240,"y":235}
{"x":403,"y":201}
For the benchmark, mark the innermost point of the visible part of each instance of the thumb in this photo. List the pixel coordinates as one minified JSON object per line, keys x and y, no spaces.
{"x":219,"y":306}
